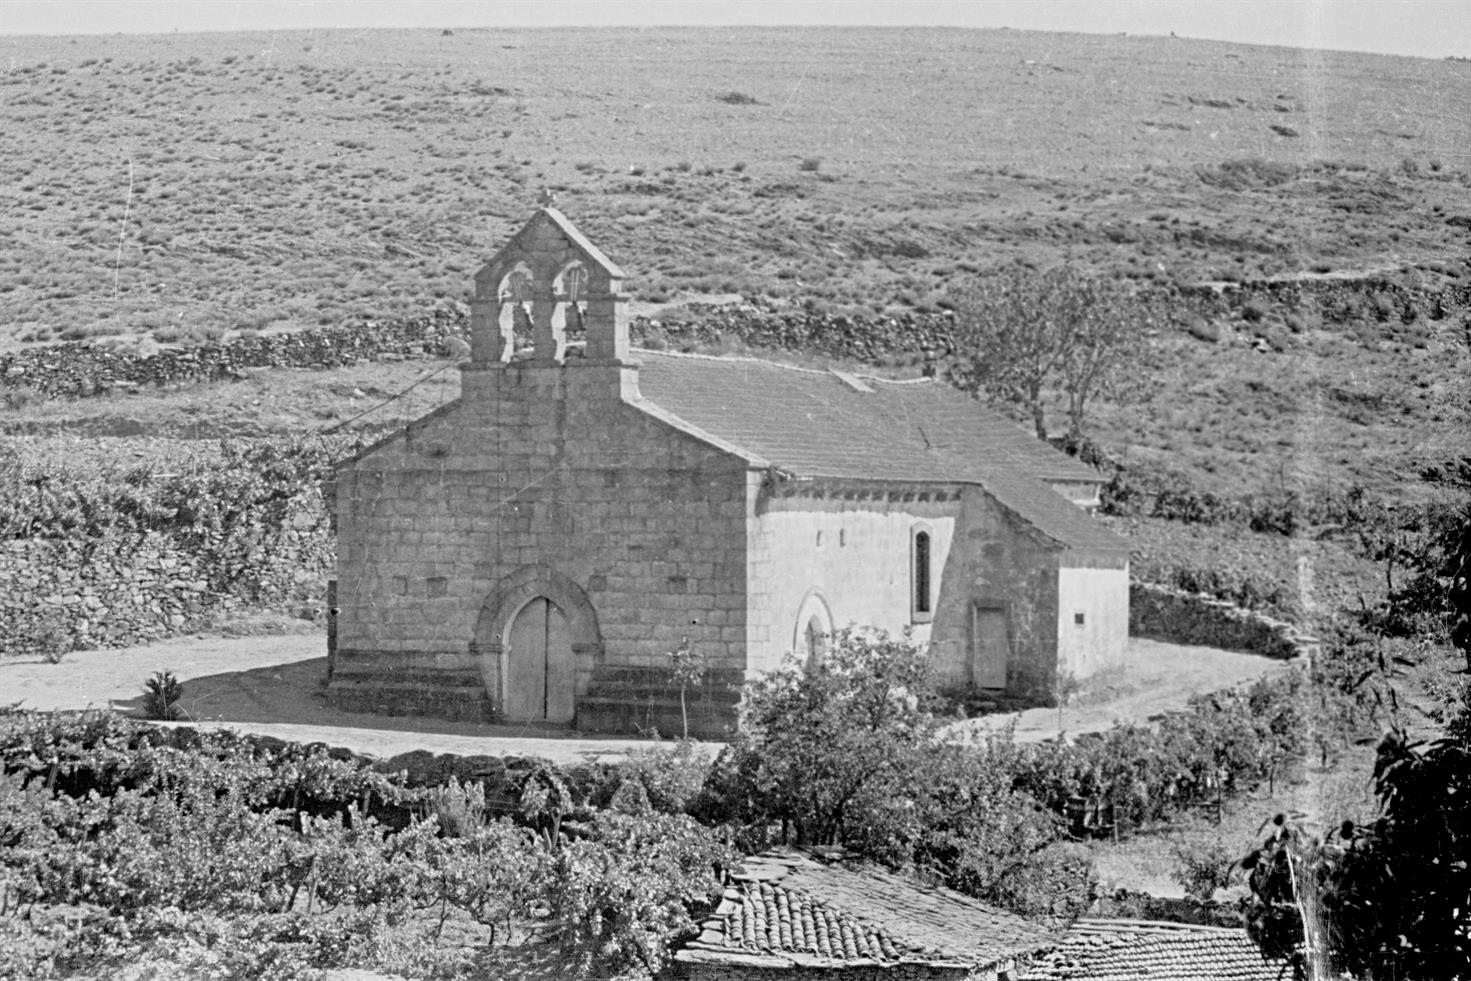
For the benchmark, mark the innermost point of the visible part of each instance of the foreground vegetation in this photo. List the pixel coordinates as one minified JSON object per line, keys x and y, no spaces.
{"x":229,"y":859}
{"x":245,"y":858}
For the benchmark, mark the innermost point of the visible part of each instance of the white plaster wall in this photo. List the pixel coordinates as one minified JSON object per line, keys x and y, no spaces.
{"x":1102,"y":596}
{"x":861,"y":569}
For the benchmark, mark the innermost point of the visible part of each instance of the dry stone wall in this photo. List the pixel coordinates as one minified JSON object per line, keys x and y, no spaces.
{"x":66,"y":595}
{"x":99,"y":560}
{"x":81,"y":369}
{"x":1165,"y":613}
{"x":84,"y":368}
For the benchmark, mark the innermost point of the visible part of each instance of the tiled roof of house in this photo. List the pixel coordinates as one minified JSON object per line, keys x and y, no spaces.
{"x":786,"y":908}
{"x":1130,"y":950}
{"x":828,"y":424}
{"x":762,"y":918}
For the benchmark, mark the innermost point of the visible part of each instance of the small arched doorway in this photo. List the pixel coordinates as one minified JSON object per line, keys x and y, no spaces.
{"x":814,"y":628}
{"x":541,"y":671}
{"x":538,"y":643}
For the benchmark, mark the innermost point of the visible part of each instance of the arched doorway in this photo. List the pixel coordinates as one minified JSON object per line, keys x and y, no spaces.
{"x":541,"y":672}
{"x":538,"y":643}
{"x":814,"y":628}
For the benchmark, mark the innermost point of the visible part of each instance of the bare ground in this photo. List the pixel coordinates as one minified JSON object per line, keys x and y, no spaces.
{"x":1156,"y":678}
{"x":274,"y":685}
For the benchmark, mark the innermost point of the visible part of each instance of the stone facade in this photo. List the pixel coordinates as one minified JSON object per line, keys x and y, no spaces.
{"x":536,"y":551}
{"x":539,"y":481}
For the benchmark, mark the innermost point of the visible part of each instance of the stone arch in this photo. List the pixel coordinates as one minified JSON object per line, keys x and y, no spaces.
{"x":814,"y":619}
{"x":569,"y":294}
{"x":514,"y":294}
{"x":511,"y":595}
{"x":547,"y":246}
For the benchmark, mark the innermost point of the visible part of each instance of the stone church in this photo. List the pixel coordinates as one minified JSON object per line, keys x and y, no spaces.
{"x":536,"y":550}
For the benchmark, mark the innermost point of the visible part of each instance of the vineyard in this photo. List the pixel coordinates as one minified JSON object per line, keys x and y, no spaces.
{"x":249,"y":857}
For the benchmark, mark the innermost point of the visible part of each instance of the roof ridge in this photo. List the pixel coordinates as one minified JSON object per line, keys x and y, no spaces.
{"x":903,"y":381}
{"x":752,"y":359}
{"x":1136,"y":926}
{"x":730,"y":359}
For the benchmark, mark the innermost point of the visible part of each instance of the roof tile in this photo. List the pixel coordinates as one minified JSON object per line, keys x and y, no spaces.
{"x":1104,"y":950}
{"x":829,"y":914}
{"x":818,"y":424}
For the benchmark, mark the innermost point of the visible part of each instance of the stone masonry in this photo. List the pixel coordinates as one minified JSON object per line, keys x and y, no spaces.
{"x":536,"y":551}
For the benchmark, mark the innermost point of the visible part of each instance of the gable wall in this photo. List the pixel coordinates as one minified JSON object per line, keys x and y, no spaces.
{"x":998,"y":563}
{"x":534,"y":465}
{"x":1094,"y":585}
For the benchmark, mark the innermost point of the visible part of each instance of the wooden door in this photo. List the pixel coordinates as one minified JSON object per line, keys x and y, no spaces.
{"x":540,"y":670}
{"x":990,"y":647}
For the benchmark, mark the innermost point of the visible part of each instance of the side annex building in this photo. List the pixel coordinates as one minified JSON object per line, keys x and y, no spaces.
{"x":534,"y":551}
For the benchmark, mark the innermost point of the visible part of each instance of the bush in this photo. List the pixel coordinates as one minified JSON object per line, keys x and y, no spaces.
{"x":623,"y":892}
{"x":161,"y":695}
{"x":819,"y":745}
{"x":671,"y":776}
{"x":1202,"y":329}
{"x":1203,"y":865}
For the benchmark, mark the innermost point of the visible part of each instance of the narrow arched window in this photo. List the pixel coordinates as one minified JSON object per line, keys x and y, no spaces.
{"x":921,"y":573}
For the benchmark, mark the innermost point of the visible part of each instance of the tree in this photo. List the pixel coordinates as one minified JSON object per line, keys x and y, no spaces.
{"x":1023,"y":333}
{"x":1388,"y":900}
{"x":845,"y":751}
{"x":818,"y":741}
{"x":688,"y":669}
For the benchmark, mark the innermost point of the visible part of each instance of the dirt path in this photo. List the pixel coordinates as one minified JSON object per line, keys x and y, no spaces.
{"x":1157,"y":677}
{"x":273,"y":685}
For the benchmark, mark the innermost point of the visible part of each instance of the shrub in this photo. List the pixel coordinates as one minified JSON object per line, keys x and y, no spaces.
{"x":161,"y":695}
{"x":823,"y":743}
{"x":1203,"y":865}
{"x":623,"y":892}
{"x":671,"y":776}
{"x":51,"y":637}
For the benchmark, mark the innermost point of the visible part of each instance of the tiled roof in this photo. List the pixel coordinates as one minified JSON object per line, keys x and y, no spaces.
{"x":764,"y":918}
{"x":1128,"y":950}
{"x":786,"y":908}
{"x":827,"y":424}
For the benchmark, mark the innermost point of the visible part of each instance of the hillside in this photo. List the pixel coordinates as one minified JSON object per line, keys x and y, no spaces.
{"x":176,"y":189}
{"x":183,"y":183}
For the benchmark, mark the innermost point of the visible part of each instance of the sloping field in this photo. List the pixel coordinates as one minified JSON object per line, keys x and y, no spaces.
{"x":186,"y":184}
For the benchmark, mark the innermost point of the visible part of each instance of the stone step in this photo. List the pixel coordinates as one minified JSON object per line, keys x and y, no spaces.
{"x":662,"y":692}
{"x":706,"y":720}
